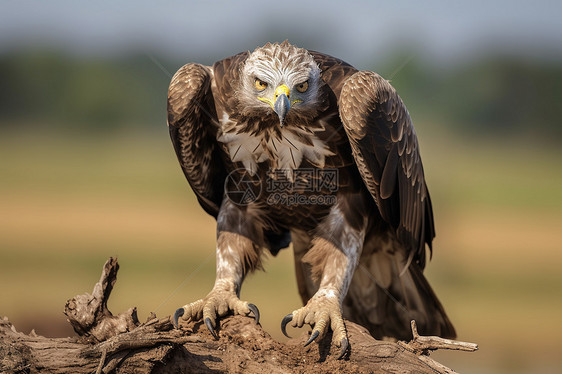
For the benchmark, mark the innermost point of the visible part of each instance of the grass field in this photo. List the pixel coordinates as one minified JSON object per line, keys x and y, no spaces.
{"x":68,"y":203}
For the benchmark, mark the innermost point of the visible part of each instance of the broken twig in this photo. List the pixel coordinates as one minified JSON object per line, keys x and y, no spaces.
{"x":422,"y":344}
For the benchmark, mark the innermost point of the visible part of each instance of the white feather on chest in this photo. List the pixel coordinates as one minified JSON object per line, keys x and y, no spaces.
{"x":284,"y":153}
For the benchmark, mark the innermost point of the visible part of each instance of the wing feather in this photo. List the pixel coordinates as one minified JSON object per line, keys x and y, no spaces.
{"x":386,"y":151}
{"x":191,"y":120}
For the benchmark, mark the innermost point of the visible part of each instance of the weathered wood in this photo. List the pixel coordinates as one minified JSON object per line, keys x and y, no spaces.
{"x":423,"y":344}
{"x":156,"y":347}
{"x":88,"y":314}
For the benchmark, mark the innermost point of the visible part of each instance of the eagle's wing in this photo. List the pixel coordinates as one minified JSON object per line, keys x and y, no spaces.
{"x":386,"y":152}
{"x":387,"y":290}
{"x":385,"y":294}
{"x":192,"y":121}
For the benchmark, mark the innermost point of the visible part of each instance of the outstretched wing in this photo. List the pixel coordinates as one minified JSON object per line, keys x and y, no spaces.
{"x":192,"y":122}
{"x":385,"y":148}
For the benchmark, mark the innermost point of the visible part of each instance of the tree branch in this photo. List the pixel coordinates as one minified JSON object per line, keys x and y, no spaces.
{"x":423,"y":344}
{"x":120,"y":344}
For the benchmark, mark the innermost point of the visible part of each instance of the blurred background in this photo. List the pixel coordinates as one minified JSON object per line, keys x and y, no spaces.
{"x":87,"y":170}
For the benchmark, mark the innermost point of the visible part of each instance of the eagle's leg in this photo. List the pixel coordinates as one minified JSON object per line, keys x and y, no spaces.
{"x":235,"y":255}
{"x":333,"y":256}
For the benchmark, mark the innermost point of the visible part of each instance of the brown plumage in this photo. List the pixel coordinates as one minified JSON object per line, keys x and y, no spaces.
{"x":361,"y":254}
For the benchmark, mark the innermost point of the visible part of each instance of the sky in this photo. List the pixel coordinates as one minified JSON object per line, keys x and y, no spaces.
{"x":356,"y":31}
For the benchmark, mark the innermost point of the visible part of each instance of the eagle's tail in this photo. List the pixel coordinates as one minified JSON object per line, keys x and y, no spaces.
{"x":384,"y":296}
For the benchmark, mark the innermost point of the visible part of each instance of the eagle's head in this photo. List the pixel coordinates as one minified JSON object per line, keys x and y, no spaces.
{"x":282,"y":78}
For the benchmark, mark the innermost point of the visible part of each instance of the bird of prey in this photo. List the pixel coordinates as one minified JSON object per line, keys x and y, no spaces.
{"x":330,"y":161}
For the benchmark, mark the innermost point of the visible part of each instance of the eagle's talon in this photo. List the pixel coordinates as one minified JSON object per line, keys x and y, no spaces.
{"x":314,"y":335}
{"x":323,"y":313}
{"x":179,"y":312}
{"x":255,"y":311}
{"x":343,"y":350}
{"x":220,"y":302}
{"x":288,"y":318}
{"x":209,"y":325}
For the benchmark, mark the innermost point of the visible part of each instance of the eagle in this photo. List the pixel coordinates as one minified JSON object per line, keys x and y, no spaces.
{"x":285,"y":145}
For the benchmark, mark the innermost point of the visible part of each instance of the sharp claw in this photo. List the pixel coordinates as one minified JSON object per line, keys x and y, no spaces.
{"x":288,"y":318}
{"x":210,"y":327}
{"x":254,"y":309}
{"x":177,"y":316}
{"x":312,"y":337}
{"x":344,"y":345}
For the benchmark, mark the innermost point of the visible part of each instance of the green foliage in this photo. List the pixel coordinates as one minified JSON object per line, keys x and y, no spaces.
{"x":58,"y":91}
{"x":487,"y":97}
{"x":495,"y":96}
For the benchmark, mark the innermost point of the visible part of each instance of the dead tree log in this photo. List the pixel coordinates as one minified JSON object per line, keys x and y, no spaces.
{"x":120,"y":344}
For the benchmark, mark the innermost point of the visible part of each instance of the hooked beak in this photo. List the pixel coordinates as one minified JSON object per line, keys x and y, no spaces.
{"x":282,"y":103}
{"x":281,"y":107}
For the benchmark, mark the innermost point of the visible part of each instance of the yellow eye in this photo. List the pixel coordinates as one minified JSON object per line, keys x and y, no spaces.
{"x":260,"y":85}
{"x":302,"y":87}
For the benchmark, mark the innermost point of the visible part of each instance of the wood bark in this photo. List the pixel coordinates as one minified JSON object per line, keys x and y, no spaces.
{"x":121,"y":344}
